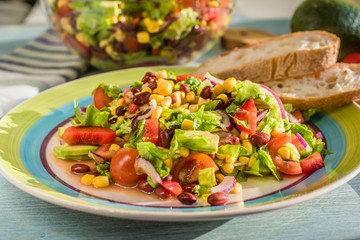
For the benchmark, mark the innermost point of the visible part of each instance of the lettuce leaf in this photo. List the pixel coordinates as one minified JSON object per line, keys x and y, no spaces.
{"x":92,"y":118}
{"x":191,"y":81}
{"x":206,"y":120}
{"x":122,"y":128}
{"x":266,"y":160}
{"x":233,"y":150}
{"x":110,"y":90}
{"x":206,"y":182}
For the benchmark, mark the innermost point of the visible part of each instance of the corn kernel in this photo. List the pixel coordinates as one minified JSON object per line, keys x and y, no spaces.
{"x":244,"y":160}
{"x":147,"y":89}
{"x":252,"y":160}
{"x":80,"y":37}
{"x":120,"y":119}
{"x":233,"y":94}
{"x":184,"y":152}
{"x":103,"y":43}
{"x":109,"y":49}
{"x":229,"y":84}
{"x":113,"y":19}
{"x":126,"y":137}
{"x":221,"y":157}
{"x":158,"y":98}
{"x":155,"y":91}
{"x":213,"y":26}
{"x":157,"y":112}
{"x":237,"y":188}
{"x":114,"y":147}
{"x":166,"y":102}
{"x":119,"y":35}
{"x":244,"y":136}
{"x":113,"y":111}
{"x":213,"y":4}
{"x":203,"y":23}
{"x":122,"y":18}
{"x":61,"y":3}
{"x":202,"y":100}
{"x":178,"y":99}
{"x":161,"y":74}
{"x":182,"y":95}
{"x":228,"y":168}
{"x":187,"y":124}
{"x":220,"y":177}
{"x":100,"y":181}
{"x":217,"y":90}
{"x":235,"y":132}
{"x":120,"y":102}
{"x":223,"y":97}
{"x":147,"y":21}
{"x":164,"y":87}
{"x":247,"y":144}
{"x":143,"y":37}
{"x":190,"y":97}
{"x":172,"y":83}
{"x":193,"y":108}
{"x":168,"y":162}
{"x":153,"y":26}
{"x":87,"y":179}
{"x":127,"y":114}
{"x":230,"y":159}
{"x":284,"y":152}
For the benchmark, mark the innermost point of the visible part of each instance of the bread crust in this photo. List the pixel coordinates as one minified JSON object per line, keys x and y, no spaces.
{"x":290,"y":65}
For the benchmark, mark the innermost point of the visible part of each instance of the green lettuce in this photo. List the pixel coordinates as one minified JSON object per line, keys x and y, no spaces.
{"x":112,"y":91}
{"x":233,"y":150}
{"x":136,"y":136}
{"x":182,"y":26}
{"x":206,"y":120}
{"x":191,"y":81}
{"x":122,"y":128}
{"x":92,"y":118}
{"x":266,"y":160}
{"x":207,"y":180}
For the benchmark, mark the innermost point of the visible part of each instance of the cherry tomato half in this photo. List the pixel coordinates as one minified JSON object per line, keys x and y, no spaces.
{"x":247,"y":112}
{"x":352,"y":58}
{"x":100,"y":99}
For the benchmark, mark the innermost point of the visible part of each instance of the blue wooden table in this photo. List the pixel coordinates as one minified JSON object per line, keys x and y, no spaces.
{"x":335,"y":215}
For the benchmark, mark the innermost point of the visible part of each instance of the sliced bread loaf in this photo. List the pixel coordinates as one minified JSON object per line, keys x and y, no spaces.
{"x":334,"y":86}
{"x":286,"y":56}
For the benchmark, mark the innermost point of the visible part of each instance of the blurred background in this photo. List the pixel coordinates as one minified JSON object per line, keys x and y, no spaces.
{"x":29,"y":11}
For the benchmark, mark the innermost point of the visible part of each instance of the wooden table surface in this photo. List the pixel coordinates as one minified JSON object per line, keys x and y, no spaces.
{"x":335,"y":215}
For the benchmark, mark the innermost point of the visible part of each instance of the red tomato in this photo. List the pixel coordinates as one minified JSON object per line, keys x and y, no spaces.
{"x":64,"y":10}
{"x":248,"y":112}
{"x":131,"y":44}
{"x":212,"y":14}
{"x":151,"y":131}
{"x":172,"y":186}
{"x":352,"y":58}
{"x":194,"y":3}
{"x":100,"y":99}
{"x":122,"y":169}
{"x":83,"y":50}
{"x":298,"y":115}
{"x":88,"y":135}
{"x":200,"y":160}
{"x":312,"y":163}
{"x":285,"y":166}
{"x":184,"y":77}
{"x":133,"y":108}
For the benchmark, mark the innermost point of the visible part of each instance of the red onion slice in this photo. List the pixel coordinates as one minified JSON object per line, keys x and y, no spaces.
{"x":82,"y":110}
{"x":213,"y":79}
{"x":225,"y":122}
{"x":97,"y":158}
{"x":292,"y":118}
{"x":148,"y":114}
{"x":262,"y":114}
{"x":303,"y":142}
{"x":144,"y":166}
{"x":225,"y":186}
{"x":282,"y":110}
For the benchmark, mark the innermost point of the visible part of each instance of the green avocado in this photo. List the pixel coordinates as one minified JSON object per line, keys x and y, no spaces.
{"x":339,"y":17}
{"x":74,"y":151}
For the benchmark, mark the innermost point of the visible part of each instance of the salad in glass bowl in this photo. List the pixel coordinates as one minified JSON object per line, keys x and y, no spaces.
{"x":122,"y":34}
{"x":192,"y":137}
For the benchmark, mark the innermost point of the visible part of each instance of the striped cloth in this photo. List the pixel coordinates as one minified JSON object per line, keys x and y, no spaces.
{"x":40,"y":64}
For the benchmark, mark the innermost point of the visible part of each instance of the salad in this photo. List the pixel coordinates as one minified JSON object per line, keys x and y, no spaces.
{"x":190,"y":136}
{"x":121,"y":34}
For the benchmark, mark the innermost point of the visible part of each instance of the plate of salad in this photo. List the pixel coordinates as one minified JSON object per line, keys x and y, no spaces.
{"x":164,"y":144}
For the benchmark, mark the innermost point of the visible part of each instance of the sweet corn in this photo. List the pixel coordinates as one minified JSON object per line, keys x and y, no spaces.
{"x":230,"y":159}
{"x":237,"y":188}
{"x":109,"y":49}
{"x":202,"y":101}
{"x":168,"y":162}
{"x":157,"y":112}
{"x":178,"y":99}
{"x":190,"y":97}
{"x":235,"y":132}
{"x":284,"y":152}
{"x":182,"y":94}
{"x":193,"y":108}
{"x":127,"y":114}
{"x":187,"y":125}
{"x":119,"y":35}
{"x":161,"y":74}
{"x":244,"y":136}
{"x":164,"y":87}
{"x":122,"y":18}
{"x":213,"y":4}
{"x":244,"y":160}
{"x":100,"y":181}
{"x":158,"y":98}
{"x":87,"y":179}
{"x":213,"y":26}
{"x":221,"y":157}
{"x":217,"y":90}
{"x":155,"y":91}
{"x":252,"y":160}
{"x":223,"y":97}
{"x":61,"y":3}
{"x":120,"y":119}
{"x":114,"y":147}
{"x":143,"y":37}
{"x":147,"y":89}
{"x":247,"y":144}
{"x":147,"y":21}
{"x":203,"y":23}
{"x":220,"y":177}
{"x":228,"y":168}
{"x":166,"y":102}
{"x":153,"y":26}
{"x":120,"y":102}
{"x":184,"y":152}
{"x":233,"y":94}
{"x":80,"y":37}
{"x":113,"y":19}
{"x":172,"y":83}
{"x":112,"y":110}
{"x":229,"y":84}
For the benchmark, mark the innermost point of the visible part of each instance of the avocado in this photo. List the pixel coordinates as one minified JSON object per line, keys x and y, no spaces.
{"x":61,"y":131}
{"x":339,"y":17}
{"x":74,"y":151}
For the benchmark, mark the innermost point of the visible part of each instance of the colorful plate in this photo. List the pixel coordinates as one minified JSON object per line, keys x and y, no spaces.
{"x":28,"y":134}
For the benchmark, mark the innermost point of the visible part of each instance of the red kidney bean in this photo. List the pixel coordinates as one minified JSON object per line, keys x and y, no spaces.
{"x":186,"y":198}
{"x":221,"y":105}
{"x":162,"y":193}
{"x":119,"y":111}
{"x":233,"y":140}
{"x":153,"y":85}
{"x":149,"y":77}
{"x":184,"y":88}
{"x":144,"y":186}
{"x":206,"y":92}
{"x":164,"y":139}
{"x":135,"y":90}
{"x":188,"y":187}
{"x":259,"y":139}
{"x":173,"y":99}
{"x":141,"y":98}
{"x":112,"y":121}
{"x":218,"y":198}
{"x":94,"y":172}
{"x":80,"y":168}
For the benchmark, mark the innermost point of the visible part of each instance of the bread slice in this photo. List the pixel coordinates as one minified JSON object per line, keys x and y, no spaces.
{"x":334,"y":86}
{"x":286,"y":56}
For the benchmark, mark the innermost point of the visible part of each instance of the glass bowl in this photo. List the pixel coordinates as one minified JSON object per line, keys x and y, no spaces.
{"x":122,"y":34}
